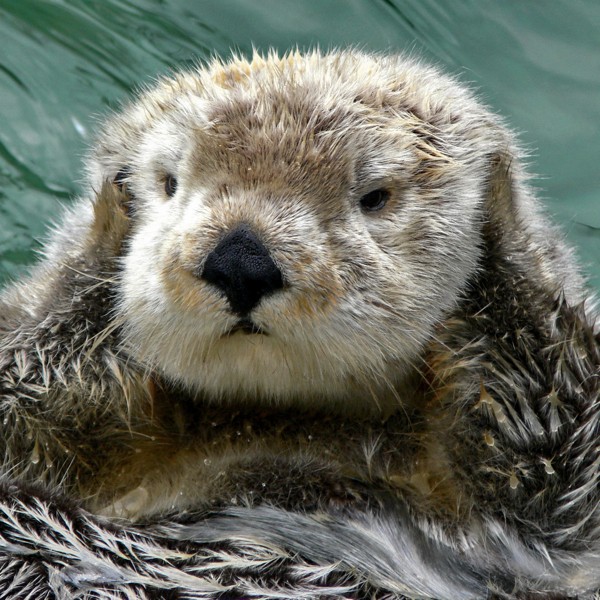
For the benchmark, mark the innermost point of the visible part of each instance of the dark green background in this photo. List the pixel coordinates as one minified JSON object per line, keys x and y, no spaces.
{"x":63,"y":63}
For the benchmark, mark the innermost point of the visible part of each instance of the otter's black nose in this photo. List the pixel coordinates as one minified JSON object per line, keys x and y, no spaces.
{"x":241,"y":267}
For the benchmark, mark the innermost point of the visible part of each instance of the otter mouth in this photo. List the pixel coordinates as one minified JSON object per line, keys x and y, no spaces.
{"x":245,"y":327}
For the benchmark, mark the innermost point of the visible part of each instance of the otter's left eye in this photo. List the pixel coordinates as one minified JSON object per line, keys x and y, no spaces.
{"x":170,"y":185}
{"x":375,"y":200}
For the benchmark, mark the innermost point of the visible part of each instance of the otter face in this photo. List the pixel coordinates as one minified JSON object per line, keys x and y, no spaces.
{"x":300,"y":225}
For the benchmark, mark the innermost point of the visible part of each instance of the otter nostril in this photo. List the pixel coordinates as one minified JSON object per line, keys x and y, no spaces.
{"x":242,"y":268}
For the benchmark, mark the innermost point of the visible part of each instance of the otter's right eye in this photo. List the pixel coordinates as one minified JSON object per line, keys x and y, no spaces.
{"x":170,"y":185}
{"x":375,"y":200}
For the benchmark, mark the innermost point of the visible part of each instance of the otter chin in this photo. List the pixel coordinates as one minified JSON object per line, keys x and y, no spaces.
{"x":307,"y":333}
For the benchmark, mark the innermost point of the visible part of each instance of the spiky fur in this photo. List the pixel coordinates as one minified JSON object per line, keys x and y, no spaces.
{"x":421,"y":420}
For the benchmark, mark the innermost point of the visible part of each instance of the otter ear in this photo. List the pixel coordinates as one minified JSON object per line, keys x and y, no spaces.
{"x":501,"y":218}
{"x":121,"y":182}
{"x":111,"y":223}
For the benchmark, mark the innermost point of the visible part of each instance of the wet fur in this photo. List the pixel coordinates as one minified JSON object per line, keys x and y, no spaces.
{"x":432,"y":431}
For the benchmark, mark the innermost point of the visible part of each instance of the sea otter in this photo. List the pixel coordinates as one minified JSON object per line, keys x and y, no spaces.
{"x":305,"y":334}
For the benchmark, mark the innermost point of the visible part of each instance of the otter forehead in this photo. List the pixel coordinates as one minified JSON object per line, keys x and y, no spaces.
{"x":290,"y":134}
{"x":276,"y":144}
{"x":349,"y":117}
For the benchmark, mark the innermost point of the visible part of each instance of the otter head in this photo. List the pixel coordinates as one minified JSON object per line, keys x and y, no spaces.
{"x":300,"y":225}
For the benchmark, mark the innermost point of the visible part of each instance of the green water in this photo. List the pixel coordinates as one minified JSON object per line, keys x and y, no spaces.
{"x":65,"y":62}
